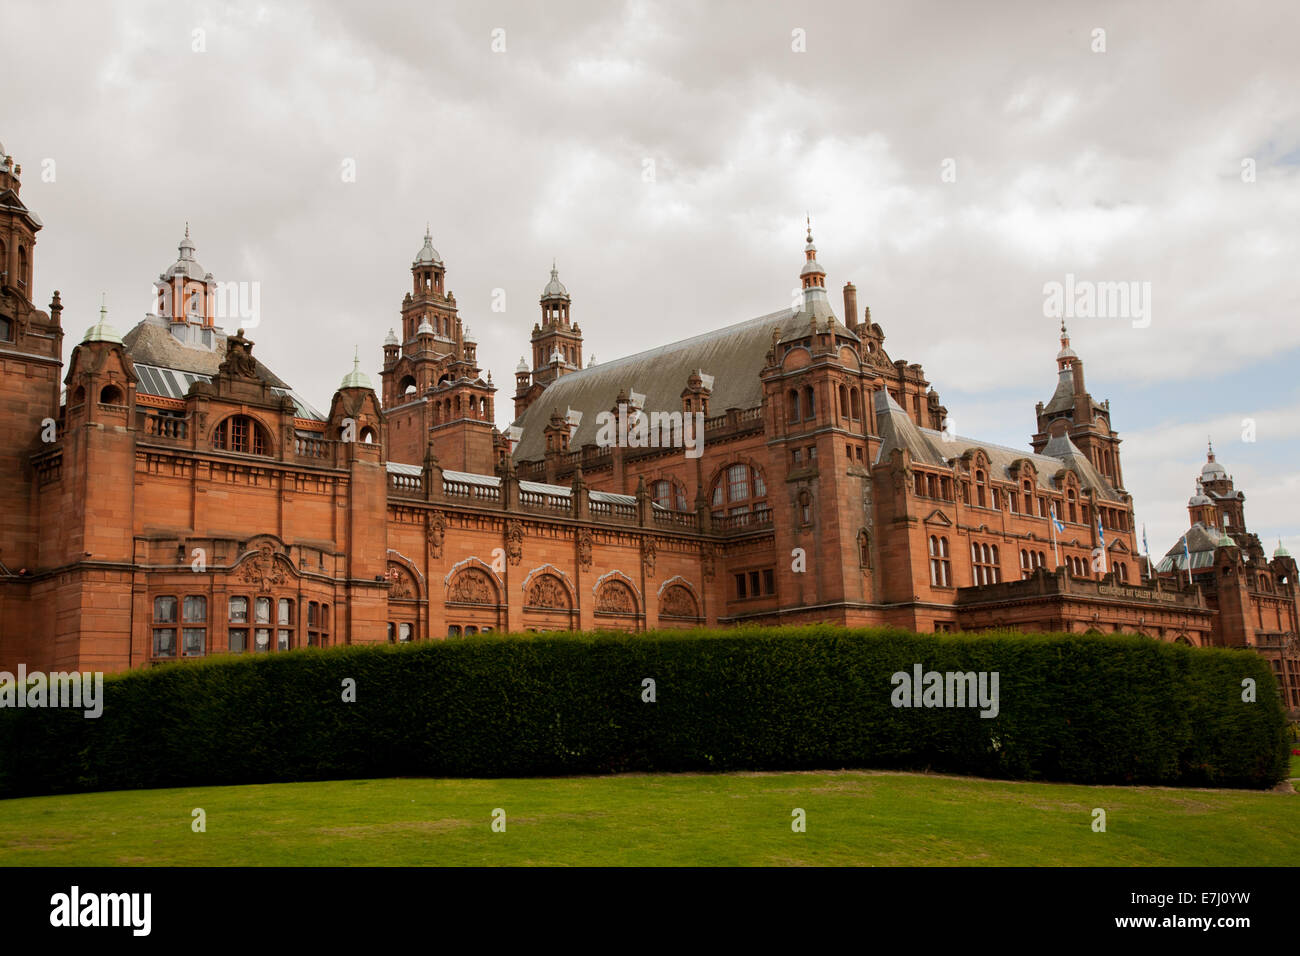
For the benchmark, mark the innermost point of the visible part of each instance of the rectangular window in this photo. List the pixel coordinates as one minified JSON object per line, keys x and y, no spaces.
{"x":239,"y":610}
{"x":164,"y":610}
{"x":195,"y":609}
{"x":286,"y":611}
{"x":164,"y":642}
{"x":812,"y":452}
{"x":453,"y":630}
{"x":740,"y":585}
{"x":282,"y":639}
{"x":194,"y":640}
{"x":753,"y":583}
{"x":261,"y":640}
{"x":263,"y":610}
{"x":796,"y":456}
{"x":769,"y":582}
{"x":738,"y":480}
{"x":238,"y":640}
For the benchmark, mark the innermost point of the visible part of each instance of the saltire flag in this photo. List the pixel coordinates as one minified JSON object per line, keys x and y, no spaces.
{"x":1060,"y":525}
{"x":1101,"y":533}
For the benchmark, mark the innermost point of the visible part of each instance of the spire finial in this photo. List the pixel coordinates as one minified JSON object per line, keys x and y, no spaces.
{"x":187,"y":228}
{"x":103,"y":306}
{"x":808,"y":219}
{"x":356,"y":357}
{"x":1209,"y":442}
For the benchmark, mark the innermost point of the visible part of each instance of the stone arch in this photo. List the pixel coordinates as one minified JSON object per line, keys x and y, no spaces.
{"x":473,"y":581}
{"x":243,"y":433}
{"x":406,"y":583}
{"x":678,"y":598}
{"x":548,"y":587}
{"x":616,"y":593}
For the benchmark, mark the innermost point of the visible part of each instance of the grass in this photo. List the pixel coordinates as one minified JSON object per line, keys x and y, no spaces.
{"x":853,"y":818}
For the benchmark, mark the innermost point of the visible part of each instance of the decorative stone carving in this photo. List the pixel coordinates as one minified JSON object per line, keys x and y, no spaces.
{"x":514,"y":542}
{"x":436,"y":532}
{"x":678,"y":601}
{"x":546,"y":590}
{"x":584,"y":548}
{"x":615,"y":597}
{"x":472,"y":586}
{"x":400,"y":584}
{"x":707,"y":561}
{"x":262,"y":570}
{"x":648,"y":553}
{"x":239,"y":361}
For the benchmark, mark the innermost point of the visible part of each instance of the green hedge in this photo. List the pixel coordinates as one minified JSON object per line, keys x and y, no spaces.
{"x":1088,"y":709}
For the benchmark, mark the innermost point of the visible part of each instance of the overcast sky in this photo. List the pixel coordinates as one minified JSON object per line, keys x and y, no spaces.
{"x":954,"y":158}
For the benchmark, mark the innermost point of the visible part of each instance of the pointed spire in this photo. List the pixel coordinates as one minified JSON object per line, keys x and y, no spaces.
{"x":1209,"y":444}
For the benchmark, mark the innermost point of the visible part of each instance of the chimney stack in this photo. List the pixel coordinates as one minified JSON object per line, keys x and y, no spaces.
{"x":850,"y":305}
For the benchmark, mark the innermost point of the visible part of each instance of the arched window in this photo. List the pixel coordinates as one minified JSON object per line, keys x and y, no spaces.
{"x":110,"y":395}
{"x":940,"y":565}
{"x":792,"y":400}
{"x":1071,"y":507}
{"x":242,"y":434}
{"x":407,"y":386}
{"x":984,"y":561}
{"x":22,"y":267}
{"x":855,"y":404}
{"x":809,"y":402}
{"x":367,"y":435}
{"x":844,"y":402}
{"x":739,"y":489}
{"x":981,"y":490}
{"x":669,"y":494}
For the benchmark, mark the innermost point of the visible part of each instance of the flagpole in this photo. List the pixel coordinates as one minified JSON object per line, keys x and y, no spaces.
{"x":1051,"y":523}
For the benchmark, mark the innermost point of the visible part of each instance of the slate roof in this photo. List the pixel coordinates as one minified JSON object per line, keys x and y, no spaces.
{"x":154,"y":345}
{"x":1201,"y":542}
{"x":732,"y":355}
{"x":1063,"y":398}
{"x":925,"y":445}
{"x":167,"y":368}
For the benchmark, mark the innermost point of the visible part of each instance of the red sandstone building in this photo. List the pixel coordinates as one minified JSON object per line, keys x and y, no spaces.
{"x":165,"y":495}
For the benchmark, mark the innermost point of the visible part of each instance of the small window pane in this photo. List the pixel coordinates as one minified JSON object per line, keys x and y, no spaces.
{"x":263,"y":609}
{"x":238,"y":640}
{"x":196,"y":609}
{"x":404,"y":633}
{"x":164,"y":610}
{"x":164,"y":642}
{"x":286,"y":611}
{"x":282,"y":640}
{"x":194,"y":640}
{"x":262,"y":640}
{"x":239,"y":610}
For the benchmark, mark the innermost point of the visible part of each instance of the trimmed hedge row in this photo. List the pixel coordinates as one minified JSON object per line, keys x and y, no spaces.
{"x":1087,"y":709}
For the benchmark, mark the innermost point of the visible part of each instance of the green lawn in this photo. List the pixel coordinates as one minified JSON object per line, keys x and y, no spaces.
{"x":853,"y":817}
